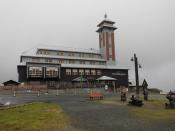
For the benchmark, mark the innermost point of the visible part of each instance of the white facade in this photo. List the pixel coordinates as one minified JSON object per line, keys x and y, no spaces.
{"x":67,"y":56}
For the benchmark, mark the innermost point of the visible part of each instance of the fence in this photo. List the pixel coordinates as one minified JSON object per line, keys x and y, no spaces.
{"x":24,"y":87}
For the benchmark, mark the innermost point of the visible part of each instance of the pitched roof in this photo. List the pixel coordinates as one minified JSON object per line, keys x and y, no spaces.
{"x":11,"y":82}
{"x":106,"y":78}
{"x":33,"y":51}
{"x":79,"y":79}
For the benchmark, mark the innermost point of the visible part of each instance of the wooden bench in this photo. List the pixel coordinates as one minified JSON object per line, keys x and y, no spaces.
{"x":95,"y":96}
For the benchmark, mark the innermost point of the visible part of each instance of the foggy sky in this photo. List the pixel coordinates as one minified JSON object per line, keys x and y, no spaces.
{"x":145,"y":27}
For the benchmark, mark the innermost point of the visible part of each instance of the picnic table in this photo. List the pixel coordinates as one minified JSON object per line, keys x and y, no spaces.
{"x":95,"y":96}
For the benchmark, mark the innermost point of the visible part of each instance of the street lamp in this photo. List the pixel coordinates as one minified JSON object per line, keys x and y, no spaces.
{"x":135,"y":59}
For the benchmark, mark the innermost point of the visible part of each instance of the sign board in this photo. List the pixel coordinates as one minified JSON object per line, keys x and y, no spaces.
{"x":144,"y":84}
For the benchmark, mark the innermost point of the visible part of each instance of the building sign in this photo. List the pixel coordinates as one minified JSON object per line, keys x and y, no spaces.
{"x":119,"y":73}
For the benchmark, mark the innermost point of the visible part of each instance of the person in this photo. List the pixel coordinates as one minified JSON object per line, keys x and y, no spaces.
{"x":132,"y":97}
{"x":106,"y":87}
{"x":123,"y":96}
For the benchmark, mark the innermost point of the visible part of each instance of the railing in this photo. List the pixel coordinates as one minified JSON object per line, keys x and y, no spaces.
{"x":24,"y":87}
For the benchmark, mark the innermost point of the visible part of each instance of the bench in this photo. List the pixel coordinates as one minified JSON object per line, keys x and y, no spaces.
{"x":135,"y":102}
{"x":95,"y":96}
{"x":171,"y":97}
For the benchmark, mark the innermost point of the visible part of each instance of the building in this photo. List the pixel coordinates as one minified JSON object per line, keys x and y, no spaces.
{"x":10,"y":83}
{"x":47,"y":64}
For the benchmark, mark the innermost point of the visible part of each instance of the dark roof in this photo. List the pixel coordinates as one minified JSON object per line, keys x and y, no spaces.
{"x":111,"y":27}
{"x":106,"y":21}
{"x":11,"y":82}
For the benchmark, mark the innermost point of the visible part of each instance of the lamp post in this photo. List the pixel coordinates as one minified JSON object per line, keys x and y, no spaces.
{"x":135,"y":59}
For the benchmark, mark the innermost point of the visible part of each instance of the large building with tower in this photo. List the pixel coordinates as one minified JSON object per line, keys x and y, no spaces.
{"x":53,"y":64}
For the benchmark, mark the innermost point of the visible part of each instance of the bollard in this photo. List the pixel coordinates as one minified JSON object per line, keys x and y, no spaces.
{"x":14,"y":93}
{"x":38,"y":93}
{"x":57,"y":93}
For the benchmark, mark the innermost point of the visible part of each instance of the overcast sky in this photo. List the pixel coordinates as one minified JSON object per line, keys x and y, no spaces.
{"x":145,"y":27}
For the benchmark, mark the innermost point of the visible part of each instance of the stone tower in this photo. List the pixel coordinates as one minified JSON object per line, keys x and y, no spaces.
{"x":106,"y":30}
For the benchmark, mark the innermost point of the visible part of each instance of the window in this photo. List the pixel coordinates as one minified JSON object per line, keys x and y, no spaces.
{"x":68,"y":71}
{"x":93,"y":72}
{"x":60,"y":61}
{"x":92,"y":62}
{"x":82,"y":62}
{"x":87,"y":72}
{"x":51,"y":72}
{"x":71,"y":54}
{"x":101,"y":63}
{"x":60,"y":53}
{"x":48,"y":60}
{"x":35,"y":60}
{"x":81,"y":55}
{"x":110,"y":56}
{"x":81,"y":72}
{"x":91,"y":55}
{"x":40,"y":52}
{"x":35,"y":71}
{"x":98,"y":72}
{"x":74,"y":72}
{"x":71,"y":61}
{"x":45,"y":53}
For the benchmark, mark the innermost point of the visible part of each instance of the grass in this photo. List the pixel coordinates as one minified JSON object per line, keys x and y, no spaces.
{"x":153,"y":110}
{"x":35,"y":116}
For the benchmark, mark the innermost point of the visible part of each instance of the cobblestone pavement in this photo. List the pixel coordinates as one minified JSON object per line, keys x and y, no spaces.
{"x":93,"y":115}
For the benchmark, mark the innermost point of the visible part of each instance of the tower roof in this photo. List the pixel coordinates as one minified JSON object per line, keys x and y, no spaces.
{"x":106,"y":23}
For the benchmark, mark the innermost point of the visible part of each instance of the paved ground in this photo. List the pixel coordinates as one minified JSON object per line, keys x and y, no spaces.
{"x":93,"y":116}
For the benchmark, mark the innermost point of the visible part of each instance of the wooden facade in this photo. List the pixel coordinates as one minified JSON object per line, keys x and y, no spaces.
{"x":120,"y":74}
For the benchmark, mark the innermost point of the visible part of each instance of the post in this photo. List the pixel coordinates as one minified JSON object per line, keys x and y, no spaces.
{"x":38,"y":93}
{"x":57,"y":92}
{"x":14,"y":93}
{"x":136,"y":76}
{"x":114,"y":86}
{"x":81,"y":81}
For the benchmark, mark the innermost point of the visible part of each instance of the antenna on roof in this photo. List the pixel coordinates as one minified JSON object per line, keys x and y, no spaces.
{"x":105,"y":16}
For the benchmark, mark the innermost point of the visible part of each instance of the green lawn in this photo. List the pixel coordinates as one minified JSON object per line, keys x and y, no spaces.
{"x":35,"y":116}
{"x":154,"y":110}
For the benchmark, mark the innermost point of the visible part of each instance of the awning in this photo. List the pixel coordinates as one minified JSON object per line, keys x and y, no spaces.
{"x":106,"y":78}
